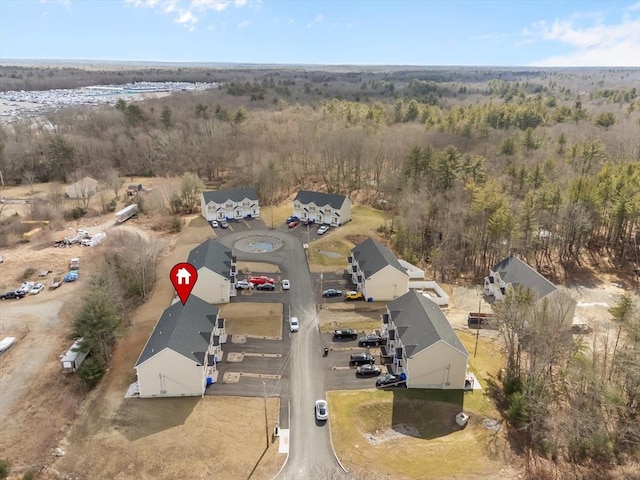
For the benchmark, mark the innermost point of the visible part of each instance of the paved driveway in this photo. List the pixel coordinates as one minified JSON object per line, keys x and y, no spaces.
{"x":239,"y":226}
{"x":302,"y":381}
{"x":262,"y":364}
{"x":340,"y":375}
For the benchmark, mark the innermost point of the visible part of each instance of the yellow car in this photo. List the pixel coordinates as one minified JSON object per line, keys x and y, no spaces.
{"x":353,"y":295}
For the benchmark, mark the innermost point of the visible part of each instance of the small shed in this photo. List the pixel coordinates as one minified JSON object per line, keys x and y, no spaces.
{"x":86,"y":187}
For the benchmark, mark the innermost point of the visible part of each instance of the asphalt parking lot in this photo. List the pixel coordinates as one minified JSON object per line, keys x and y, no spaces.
{"x":240,"y":225}
{"x":262,"y":365}
{"x":340,"y":375}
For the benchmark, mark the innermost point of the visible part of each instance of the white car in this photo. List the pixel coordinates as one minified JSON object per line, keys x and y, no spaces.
{"x":36,"y":289}
{"x":244,"y":285}
{"x":323,"y":229}
{"x":286,"y":285}
{"x":322,"y":412}
{"x":26,"y":287}
{"x":294,"y":324}
{"x":214,"y":223}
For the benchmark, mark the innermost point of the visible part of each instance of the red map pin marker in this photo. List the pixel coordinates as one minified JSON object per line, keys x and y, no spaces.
{"x":183,"y":276}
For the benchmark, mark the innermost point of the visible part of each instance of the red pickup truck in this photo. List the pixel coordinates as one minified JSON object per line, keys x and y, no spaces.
{"x":261,"y":280}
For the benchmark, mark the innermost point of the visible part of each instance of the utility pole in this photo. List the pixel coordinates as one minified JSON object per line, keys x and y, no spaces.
{"x":266,"y":422}
{"x":321,"y":290}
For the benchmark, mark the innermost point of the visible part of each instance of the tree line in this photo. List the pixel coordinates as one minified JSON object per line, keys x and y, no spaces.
{"x":469,"y":178}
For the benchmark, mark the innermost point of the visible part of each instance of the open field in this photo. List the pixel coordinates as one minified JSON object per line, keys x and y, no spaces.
{"x":255,"y":319}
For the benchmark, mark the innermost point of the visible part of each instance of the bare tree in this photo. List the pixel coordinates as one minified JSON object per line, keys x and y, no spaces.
{"x":136,"y":259}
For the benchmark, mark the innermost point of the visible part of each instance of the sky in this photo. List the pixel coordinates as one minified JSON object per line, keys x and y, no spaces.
{"x":578,"y":33}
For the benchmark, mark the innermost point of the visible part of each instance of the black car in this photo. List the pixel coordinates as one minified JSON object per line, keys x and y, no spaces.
{"x":370,"y":341}
{"x":266,"y":286}
{"x":332,"y":292}
{"x":367,"y":370}
{"x":361,"y":358}
{"x":388,"y":380}
{"x":345,"y":333}
{"x":17,"y":294}
{"x":309,"y":221}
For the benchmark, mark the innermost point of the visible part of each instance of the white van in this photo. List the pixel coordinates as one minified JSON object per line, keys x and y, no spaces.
{"x":294,"y":324}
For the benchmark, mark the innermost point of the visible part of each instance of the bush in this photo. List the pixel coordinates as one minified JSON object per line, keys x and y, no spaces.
{"x":518,"y":409}
{"x":29,"y":475}
{"x":5,"y":468}
{"x":91,"y":371}
{"x":75,"y":214}
{"x":176,"y":225}
{"x":28,"y":272}
{"x":111,"y":206}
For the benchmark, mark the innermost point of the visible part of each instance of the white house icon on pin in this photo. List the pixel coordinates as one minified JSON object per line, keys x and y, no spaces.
{"x":183,"y":276}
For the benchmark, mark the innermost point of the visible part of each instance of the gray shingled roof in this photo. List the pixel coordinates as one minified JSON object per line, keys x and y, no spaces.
{"x":321,"y":199}
{"x":233,"y":194}
{"x":181,"y":328}
{"x":372,"y":257}
{"x":212,"y":255}
{"x":515,"y":271}
{"x":420,"y":323}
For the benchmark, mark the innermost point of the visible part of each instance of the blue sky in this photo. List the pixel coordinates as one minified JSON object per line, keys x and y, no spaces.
{"x":418,"y":32}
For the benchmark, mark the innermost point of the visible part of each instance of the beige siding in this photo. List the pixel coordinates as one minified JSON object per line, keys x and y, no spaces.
{"x":386,"y":284}
{"x":345,"y":212}
{"x":439,"y":366}
{"x":211,"y":287}
{"x":169,"y":374}
{"x":208,"y":210}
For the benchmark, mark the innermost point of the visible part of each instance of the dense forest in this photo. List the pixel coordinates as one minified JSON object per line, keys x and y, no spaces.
{"x":472,"y":164}
{"x":545,"y":163}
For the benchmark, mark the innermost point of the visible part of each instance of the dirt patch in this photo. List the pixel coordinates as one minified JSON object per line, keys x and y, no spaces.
{"x":250,"y":268}
{"x":393,"y":433}
{"x":253,"y":319}
{"x":361,"y":316}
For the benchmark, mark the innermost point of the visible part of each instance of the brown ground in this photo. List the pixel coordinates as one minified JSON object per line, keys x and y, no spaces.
{"x":104,"y":434}
{"x":256,"y":319}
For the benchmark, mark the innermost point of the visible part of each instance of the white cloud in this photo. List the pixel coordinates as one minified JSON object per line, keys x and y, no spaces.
{"x":187,"y":17}
{"x":243,"y":24}
{"x":590,"y":41}
{"x":216,"y":5}
{"x":182,"y":10}
{"x":319,"y":19}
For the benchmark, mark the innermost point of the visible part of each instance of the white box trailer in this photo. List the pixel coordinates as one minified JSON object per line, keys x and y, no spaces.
{"x":126,"y":213}
{"x":72,"y":360}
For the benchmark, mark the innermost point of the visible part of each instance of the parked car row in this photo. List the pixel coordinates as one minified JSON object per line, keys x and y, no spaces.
{"x":27,"y":288}
{"x":348,"y":295}
{"x":262,"y":283}
{"x":293,"y":221}
{"x":221,"y":224}
{"x":365,"y":367}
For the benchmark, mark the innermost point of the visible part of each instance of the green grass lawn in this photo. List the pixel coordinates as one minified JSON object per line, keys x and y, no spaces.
{"x":364,"y":221}
{"x":437,"y":447}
